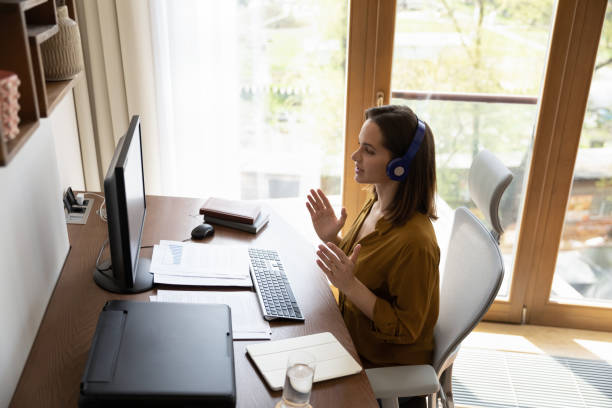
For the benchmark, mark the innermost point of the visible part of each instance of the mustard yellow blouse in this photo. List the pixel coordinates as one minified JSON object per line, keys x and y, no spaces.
{"x":400,"y":265}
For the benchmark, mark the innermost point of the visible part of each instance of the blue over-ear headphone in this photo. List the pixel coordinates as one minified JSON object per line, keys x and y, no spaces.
{"x":397,"y":169}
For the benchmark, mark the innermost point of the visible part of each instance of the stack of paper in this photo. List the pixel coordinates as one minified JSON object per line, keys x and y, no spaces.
{"x":247,"y":319}
{"x":187,"y":263}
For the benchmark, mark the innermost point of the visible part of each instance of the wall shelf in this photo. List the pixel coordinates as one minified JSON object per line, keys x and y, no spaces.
{"x":41,"y":32}
{"x":9,"y":149}
{"x":56,"y":90}
{"x":49,"y":93}
{"x":14,"y":43}
{"x":24,"y":25}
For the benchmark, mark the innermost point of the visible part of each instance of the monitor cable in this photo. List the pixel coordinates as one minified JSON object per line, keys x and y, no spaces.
{"x":101,"y":214}
{"x":98,"y":266}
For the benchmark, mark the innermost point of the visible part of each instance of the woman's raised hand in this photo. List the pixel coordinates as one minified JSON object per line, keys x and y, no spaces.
{"x":339,"y":268}
{"x":324,"y":220}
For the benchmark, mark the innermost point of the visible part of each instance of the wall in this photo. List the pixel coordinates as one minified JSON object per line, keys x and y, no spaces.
{"x":67,"y":147}
{"x":33,"y":247}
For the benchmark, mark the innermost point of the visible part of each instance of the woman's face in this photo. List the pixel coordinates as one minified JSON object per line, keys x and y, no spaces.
{"x":371,"y":158}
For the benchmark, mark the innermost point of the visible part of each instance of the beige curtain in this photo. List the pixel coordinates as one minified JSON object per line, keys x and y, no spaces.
{"x":118,"y":55}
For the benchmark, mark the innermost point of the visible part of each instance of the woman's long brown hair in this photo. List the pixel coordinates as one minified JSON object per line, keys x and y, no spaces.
{"x":416,"y":193}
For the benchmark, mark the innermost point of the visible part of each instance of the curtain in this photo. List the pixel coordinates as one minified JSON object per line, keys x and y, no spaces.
{"x":120,"y":83}
{"x":197,"y":96}
{"x":238,"y":99}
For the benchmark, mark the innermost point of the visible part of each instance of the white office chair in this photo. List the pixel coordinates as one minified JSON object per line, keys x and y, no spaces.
{"x":473,"y":274}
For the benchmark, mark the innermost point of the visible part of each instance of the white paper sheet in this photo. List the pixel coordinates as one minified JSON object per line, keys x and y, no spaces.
{"x":247,"y":319}
{"x":245,"y":282}
{"x":200,"y":260}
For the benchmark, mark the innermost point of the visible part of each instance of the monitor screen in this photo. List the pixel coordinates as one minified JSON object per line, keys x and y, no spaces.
{"x":124,"y":192}
{"x":134,"y":195}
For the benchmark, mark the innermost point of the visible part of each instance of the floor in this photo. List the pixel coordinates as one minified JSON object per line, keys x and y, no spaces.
{"x":506,"y":365}
{"x":553,"y":341}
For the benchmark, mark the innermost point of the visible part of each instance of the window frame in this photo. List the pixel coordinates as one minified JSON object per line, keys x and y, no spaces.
{"x":573,"y":45}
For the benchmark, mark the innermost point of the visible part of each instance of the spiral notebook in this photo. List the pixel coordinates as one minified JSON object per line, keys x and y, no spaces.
{"x":332,"y":359}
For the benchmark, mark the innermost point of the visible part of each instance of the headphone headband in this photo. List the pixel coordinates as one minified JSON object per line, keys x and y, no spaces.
{"x":397,"y":169}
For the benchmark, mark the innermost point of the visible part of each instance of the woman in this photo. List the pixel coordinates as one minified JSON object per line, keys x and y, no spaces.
{"x":386,"y":266}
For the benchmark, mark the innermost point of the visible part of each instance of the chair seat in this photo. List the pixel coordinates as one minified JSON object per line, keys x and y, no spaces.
{"x":403,"y":381}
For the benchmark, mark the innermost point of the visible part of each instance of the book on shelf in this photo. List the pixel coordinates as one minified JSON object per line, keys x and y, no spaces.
{"x":244,"y":212}
{"x":254,"y":228}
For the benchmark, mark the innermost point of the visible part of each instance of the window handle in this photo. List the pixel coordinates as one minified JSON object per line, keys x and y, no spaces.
{"x":380,"y":98}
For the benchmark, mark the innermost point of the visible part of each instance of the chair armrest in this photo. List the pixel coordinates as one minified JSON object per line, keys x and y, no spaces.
{"x":403,"y":381}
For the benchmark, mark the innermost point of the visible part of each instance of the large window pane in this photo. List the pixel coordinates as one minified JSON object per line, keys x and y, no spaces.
{"x":583,"y":272}
{"x":473,"y":71}
{"x":251,"y":96}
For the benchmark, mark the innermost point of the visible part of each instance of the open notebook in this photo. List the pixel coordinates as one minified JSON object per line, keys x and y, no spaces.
{"x":332,"y":359}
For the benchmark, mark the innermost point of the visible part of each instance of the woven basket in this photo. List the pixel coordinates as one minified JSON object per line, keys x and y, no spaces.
{"x":62,"y":55}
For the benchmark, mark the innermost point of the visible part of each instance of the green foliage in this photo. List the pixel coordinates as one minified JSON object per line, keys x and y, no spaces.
{"x":465,"y":46}
{"x":304,"y":47}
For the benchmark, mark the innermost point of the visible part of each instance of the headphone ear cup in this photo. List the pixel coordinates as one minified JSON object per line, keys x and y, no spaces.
{"x":397,"y":169}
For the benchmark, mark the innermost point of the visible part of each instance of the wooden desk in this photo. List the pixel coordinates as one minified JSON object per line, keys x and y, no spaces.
{"x":52,"y":373}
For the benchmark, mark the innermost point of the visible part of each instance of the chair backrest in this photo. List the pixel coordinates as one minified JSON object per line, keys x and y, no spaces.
{"x":488,"y":179}
{"x":474,"y":267}
{"x":472,"y":277}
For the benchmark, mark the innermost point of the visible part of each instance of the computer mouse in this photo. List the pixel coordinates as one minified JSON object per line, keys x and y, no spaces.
{"x":202,"y":231}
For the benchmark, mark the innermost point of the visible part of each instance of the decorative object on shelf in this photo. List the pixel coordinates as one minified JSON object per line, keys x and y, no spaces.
{"x":9,"y":105}
{"x":62,"y":54}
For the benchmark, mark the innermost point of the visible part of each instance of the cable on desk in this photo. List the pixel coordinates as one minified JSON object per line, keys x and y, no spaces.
{"x":102,"y":216}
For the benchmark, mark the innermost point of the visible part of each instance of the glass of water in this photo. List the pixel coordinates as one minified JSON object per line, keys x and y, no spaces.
{"x":298,"y":380}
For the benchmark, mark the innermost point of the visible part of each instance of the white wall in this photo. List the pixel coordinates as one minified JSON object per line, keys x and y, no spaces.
{"x":33,"y":247}
{"x":67,"y":147}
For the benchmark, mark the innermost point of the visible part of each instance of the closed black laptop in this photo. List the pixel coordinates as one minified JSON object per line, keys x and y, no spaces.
{"x":160,"y":354}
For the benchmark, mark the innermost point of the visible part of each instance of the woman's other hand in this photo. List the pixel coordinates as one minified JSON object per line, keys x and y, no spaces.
{"x":324,"y":220}
{"x":339,"y":268}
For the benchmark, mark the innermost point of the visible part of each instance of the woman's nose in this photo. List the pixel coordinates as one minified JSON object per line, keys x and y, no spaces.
{"x":354,"y":155}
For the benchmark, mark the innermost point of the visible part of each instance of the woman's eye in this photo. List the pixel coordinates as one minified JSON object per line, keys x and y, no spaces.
{"x":369,"y":151}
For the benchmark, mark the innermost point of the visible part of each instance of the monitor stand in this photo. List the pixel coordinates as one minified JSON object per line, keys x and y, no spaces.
{"x":143,"y":282}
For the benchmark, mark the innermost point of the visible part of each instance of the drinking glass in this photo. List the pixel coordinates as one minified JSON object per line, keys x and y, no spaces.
{"x":298,"y":380}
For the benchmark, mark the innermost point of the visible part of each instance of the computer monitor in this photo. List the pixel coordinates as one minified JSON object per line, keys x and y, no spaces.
{"x":126,"y":207}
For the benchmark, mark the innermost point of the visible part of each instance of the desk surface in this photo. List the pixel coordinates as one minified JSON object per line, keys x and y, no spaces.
{"x":57,"y":359}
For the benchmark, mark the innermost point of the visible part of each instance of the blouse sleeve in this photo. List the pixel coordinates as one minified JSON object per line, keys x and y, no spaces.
{"x":410,"y":285}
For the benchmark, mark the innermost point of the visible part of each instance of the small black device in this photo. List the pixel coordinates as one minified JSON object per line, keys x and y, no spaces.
{"x":397,"y":169}
{"x":202,"y":231}
{"x":126,"y":207}
{"x":70,"y":196}
{"x":149,"y":354}
{"x":67,"y":204}
{"x":71,"y":204}
{"x":272,"y":286}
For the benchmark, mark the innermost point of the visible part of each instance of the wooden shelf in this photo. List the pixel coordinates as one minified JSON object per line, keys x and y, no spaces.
{"x":23,"y":4}
{"x":40,"y":32}
{"x":49,"y":93}
{"x":9,"y":149}
{"x":56,"y":90}
{"x":14,"y":47}
{"x":24,"y":25}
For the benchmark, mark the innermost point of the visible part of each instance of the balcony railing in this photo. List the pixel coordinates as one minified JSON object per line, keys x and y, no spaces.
{"x":464,"y":97}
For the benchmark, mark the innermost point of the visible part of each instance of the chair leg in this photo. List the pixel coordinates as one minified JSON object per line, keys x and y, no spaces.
{"x":389,"y":403}
{"x":432,"y":401}
{"x":446,"y":388}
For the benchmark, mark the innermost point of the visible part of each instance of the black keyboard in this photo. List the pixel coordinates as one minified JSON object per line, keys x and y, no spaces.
{"x":273,"y":289}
